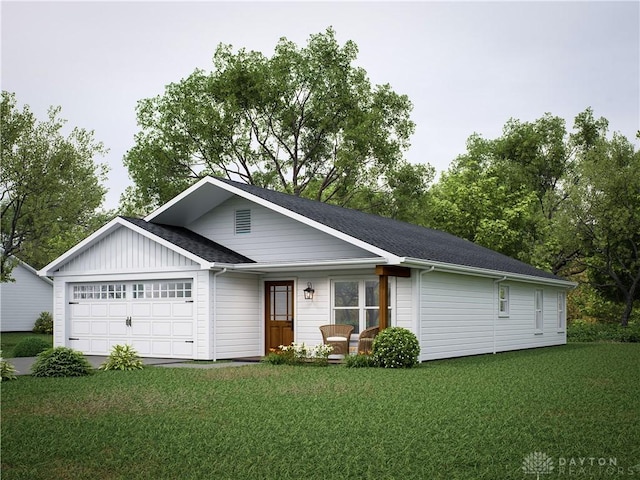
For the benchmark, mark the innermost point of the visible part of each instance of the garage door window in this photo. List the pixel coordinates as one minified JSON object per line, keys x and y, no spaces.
{"x":109,"y":291}
{"x":162,"y":290}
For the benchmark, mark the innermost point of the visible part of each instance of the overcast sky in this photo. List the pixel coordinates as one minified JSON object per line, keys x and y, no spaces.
{"x":466,"y":66}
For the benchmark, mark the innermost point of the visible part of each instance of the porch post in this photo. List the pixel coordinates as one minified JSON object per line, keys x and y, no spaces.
{"x":383,"y":295}
{"x":384,"y":272}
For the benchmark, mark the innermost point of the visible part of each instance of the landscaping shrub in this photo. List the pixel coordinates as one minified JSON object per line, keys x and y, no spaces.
{"x":395,"y":347}
{"x":359,"y":361}
{"x":579,"y":331}
{"x":30,"y":347}
{"x":7,"y":370}
{"x":44,"y":324}
{"x":299,"y":353}
{"x":122,"y":357}
{"x":61,"y":362}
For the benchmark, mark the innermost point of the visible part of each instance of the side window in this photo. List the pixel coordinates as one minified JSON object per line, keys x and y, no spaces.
{"x":539,"y":298}
{"x":503,"y":301}
{"x":562,"y":311}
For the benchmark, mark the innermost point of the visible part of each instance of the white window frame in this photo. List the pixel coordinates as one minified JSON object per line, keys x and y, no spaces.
{"x":538,"y":300}
{"x":162,"y":290}
{"x":99,"y":291}
{"x":506,"y":301}
{"x":562,"y":312}
{"x":361,"y":307}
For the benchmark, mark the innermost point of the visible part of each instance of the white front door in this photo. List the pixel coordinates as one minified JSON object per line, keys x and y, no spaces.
{"x":155,"y":317}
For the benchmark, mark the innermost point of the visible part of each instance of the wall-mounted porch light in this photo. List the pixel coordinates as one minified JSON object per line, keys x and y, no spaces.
{"x":308,"y":292}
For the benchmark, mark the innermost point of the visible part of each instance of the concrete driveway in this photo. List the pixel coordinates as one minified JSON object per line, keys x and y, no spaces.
{"x":23,"y":364}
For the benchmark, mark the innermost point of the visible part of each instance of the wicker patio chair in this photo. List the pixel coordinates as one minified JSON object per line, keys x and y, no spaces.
{"x":365,"y":341}
{"x":338,"y":336}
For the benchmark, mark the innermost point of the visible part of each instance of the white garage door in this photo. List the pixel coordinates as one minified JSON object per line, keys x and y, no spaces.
{"x":155,"y":317}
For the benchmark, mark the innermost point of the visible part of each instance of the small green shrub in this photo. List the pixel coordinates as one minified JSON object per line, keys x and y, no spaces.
{"x":274,"y":358}
{"x":579,"y":331}
{"x":60,"y":362}
{"x":30,"y":347}
{"x":395,"y":347}
{"x":7,"y":370}
{"x":44,"y":324}
{"x":359,"y":361}
{"x":122,"y":357}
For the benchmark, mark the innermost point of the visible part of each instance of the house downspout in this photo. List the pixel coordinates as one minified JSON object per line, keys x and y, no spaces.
{"x":419,"y":325}
{"x":495,"y":313}
{"x":215,"y":311}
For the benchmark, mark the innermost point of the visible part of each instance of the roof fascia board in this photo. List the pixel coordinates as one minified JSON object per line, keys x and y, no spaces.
{"x":391,"y":258}
{"x":178,"y":198}
{"x":109,"y":228}
{"x":482,"y":272}
{"x":348,"y":263}
{"x":80,"y":247}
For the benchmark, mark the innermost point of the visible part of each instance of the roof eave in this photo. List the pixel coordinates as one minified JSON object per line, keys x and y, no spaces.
{"x":484,"y":272}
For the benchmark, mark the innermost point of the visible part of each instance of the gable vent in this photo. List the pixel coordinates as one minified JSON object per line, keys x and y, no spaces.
{"x":243,"y":221}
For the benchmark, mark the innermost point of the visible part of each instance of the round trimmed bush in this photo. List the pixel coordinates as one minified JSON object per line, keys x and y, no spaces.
{"x":61,"y":362}
{"x":30,"y":347}
{"x":395,"y":347}
{"x":44,"y":323}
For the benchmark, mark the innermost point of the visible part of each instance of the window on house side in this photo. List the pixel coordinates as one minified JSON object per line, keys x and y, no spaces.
{"x":562,"y":311}
{"x":539,"y":310}
{"x":503,"y":301}
{"x":357,"y":303}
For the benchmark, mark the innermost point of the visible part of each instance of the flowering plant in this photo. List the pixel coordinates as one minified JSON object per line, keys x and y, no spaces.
{"x":297,"y":353}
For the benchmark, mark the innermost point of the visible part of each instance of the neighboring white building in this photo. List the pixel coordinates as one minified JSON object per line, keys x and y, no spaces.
{"x":220,"y":272}
{"x":22,"y":300}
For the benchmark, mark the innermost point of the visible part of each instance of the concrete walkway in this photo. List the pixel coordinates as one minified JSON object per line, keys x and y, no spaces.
{"x":23,"y":364}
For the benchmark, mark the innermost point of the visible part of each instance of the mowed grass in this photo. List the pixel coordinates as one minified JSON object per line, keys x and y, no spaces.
{"x":467,"y":418}
{"x":10,"y":339}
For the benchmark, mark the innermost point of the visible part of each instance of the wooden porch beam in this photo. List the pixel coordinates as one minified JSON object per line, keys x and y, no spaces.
{"x":383,"y":295}
{"x":393,"y":271}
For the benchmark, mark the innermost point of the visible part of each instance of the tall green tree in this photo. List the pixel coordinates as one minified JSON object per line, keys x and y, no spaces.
{"x":506,"y":193}
{"x":51,"y":186}
{"x":304,"y":121}
{"x":605,"y":211}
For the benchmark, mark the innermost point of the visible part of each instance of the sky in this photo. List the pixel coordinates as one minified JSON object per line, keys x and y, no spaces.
{"x":467,"y":67}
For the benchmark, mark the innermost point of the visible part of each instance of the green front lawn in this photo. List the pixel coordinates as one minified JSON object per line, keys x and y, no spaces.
{"x":11,"y":339}
{"x":467,"y":418}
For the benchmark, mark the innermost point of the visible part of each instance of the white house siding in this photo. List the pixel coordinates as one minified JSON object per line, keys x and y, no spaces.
{"x":459,"y":316}
{"x":517,"y":330}
{"x":22,"y":301}
{"x":238,"y":329}
{"x":125,"y":250}
{"x":274,"y":237}
{"x":456,"y":315}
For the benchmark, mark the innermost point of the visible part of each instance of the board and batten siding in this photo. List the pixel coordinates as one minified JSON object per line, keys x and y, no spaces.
{"x":22,"y":300}
{"x":459,"y":316}
{"x":238,"y":329}
{"x":125,"y":250}
{"x":274,"y":237}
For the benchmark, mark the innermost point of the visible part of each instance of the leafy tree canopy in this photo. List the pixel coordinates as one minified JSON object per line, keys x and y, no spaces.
{"x":50,"y":186}
{"x":304,"y":121}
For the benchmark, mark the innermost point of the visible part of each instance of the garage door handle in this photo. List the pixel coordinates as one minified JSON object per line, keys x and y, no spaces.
{"x":128,"y":322}
{"x":188,"y":341}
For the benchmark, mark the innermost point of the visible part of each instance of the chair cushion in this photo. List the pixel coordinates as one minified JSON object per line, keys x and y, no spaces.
{"x":336,"y":339}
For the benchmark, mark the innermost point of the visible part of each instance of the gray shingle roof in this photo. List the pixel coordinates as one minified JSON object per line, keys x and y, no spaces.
{"x":399,"y":238}
{"x":192,"y":242}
